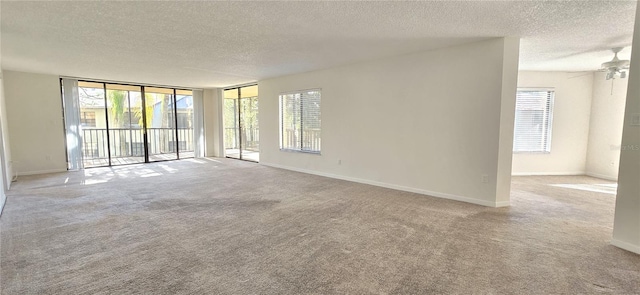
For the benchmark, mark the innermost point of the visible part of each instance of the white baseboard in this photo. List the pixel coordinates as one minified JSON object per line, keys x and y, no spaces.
{"x":548,"y":173}
{"x":41,"y":172}
{"x":601,"y":176}
{"x":503,"y":204}
{"x":626,"y":246}
{"x":394,"y":186}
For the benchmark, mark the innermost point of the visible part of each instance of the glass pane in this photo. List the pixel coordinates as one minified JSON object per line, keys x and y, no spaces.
{"x":249,"y":91}
{"x":249,"y":123}
{"x":94,"y":124}
{"x":184,"y":105}
{"x":291,"y":121}
{"x":231,"y":124}
{"x":532,"y":126}
{"x":311,"y":123}
{"x":160,"y":129}
{"x":125,"y":124}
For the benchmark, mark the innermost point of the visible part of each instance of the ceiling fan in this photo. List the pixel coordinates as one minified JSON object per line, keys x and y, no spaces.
{"x":616,"y":67}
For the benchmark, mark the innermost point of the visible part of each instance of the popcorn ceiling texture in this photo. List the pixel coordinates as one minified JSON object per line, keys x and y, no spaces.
{"x":209,"y":44}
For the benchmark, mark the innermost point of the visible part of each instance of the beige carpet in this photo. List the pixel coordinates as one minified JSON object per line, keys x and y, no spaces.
{"x":221,"y":226}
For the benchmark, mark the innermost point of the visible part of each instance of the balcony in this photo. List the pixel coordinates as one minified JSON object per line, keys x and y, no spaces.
{"x":126,"y":146}
{"x":249,"y":142}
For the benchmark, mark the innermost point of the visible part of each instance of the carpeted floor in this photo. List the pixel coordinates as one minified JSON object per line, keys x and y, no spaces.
{"x":221,"y":226}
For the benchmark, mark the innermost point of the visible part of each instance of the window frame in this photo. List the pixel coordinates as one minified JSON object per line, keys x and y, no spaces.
{"x":281,"y":123}
{"x":548,"y":112}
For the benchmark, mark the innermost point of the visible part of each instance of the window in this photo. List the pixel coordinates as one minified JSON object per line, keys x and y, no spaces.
{"x":534,"y":114}
{"x":300,"y":121}
{"x":88,"y":119}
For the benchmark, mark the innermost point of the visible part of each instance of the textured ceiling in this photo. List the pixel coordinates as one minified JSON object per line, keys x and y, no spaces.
{"x":212,"y":44}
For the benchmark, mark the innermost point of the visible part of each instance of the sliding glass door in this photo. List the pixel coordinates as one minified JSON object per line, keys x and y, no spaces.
{"x":249,"y":123}
{"x":93,"y":122}
{"x":241,"y":134}
{"x":126,"y":142}
{"x":231,"y":118}
{"x":184,"y":122}
{"x":128,"y":124}
{"x":160,"y":129}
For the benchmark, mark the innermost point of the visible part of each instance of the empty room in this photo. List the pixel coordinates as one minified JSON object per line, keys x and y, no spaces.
{"x":343,"y":147}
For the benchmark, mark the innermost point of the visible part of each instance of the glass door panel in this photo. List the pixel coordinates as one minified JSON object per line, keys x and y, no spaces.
{"x":249,"y":123}
{"x":127,"y":124}
{"x":184,"y":123}
{"x":126,"y":142}
{"x":159,"y":114}
{"x":95,"y":150}
{"x":231,"y":124}
{"x":241,"y":135}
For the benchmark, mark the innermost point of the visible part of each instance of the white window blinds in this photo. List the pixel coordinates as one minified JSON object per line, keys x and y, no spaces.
{"x":533,"y":120}
{"x":300,"y":121}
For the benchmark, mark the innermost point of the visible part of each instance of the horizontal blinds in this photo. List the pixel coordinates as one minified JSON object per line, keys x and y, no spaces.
{"x":533,"y":118}
{"x":310,"y":101}
{"x":290,"y":121}
{"x":300,"y":121}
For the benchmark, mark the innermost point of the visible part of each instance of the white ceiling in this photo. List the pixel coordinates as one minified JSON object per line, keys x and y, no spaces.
{"x":213,"y":44}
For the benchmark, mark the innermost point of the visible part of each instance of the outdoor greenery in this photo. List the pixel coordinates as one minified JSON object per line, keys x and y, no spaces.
{"x":248,"y":123}
{"x":118,"y":100}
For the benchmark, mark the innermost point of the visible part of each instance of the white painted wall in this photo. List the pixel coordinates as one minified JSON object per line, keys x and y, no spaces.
{"x":511,"y":58}
{"x":605,"y":126}
{"x":34,"y":115}
{"x":213,"y":123}
{"x":570,"y":129}
{"x":626,"y":227}
{"x":5,"y":150}
{"x":427,"y":122}
{"x":5,"y":158}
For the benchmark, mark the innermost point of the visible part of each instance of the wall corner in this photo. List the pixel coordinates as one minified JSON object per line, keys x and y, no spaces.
{"x":214,"y":146}
{"x":626,"y":225}
{"x":510,"y":60}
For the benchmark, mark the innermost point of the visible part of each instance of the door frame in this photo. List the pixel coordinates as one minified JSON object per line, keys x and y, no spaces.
{"x":237,"y":119}
{"x":144,"y":127}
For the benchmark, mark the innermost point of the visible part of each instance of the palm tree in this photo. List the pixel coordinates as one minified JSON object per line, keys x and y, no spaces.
{"x":118,"y":100}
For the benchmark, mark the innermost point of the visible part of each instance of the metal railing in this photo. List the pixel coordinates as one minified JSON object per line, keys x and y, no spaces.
{"x":124,"y":142}
{"x":250,"y":138}
{"x":309,"y":141}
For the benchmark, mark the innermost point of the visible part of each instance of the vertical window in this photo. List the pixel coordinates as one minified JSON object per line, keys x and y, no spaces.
{"x":533,"y":120}
{"x":300,"y":121}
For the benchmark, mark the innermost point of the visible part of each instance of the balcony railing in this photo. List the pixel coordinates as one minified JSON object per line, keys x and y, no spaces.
{"x":129,"y":142}
{"x":310,"y":140}
{"x":250,"y":138}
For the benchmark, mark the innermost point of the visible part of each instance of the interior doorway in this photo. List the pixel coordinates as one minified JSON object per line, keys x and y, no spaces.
{"x":241,"y":134}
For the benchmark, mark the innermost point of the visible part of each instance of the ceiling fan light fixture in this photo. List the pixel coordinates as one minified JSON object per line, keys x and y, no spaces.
{"x":616,"y":67}
{"x":610,"y":75}
{"x":616,"y":73}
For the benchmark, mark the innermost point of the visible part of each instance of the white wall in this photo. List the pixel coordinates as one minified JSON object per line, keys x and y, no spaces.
{"x":213,"y":123}
{"x":570,"y":129}
{"x":5,"y":158}
{"x":605,"y":126}
{"x":5,"y":148}
{"x":34,"y":115}
{"x":427,"y":122}
{"x":626,"y":227}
